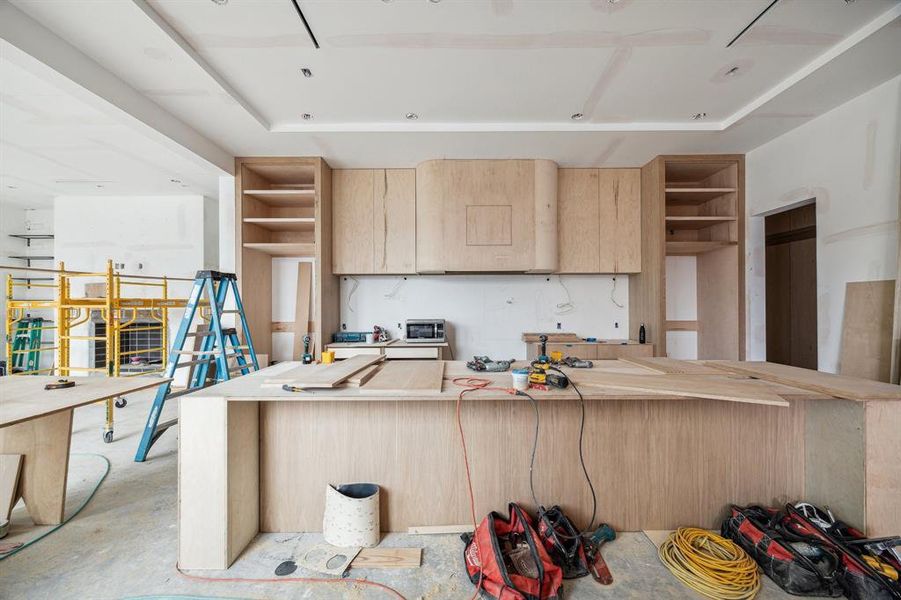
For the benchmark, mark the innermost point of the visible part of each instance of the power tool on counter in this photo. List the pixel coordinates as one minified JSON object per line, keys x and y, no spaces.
{"x":484,"y":363}
{"x":539,"y":373}
{"x":307,"y":358}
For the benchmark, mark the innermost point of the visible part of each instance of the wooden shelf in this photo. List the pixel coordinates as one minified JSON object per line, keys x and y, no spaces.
{"x":283,"y":248}
{"x":693,"y":222}
{"x":693,"y":248}
{"x":283,"y":223}
{"x":696,"y":195}
{"x":283,"y":197}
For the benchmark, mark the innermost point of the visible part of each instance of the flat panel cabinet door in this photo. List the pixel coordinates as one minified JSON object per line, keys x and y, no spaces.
{"x":352,"y":216}
{"x":394,"y":221}
{"x":578,"y":219}
{"x":620,"y":220}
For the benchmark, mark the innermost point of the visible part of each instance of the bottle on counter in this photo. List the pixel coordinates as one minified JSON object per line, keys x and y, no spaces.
{"x":642,"y":335}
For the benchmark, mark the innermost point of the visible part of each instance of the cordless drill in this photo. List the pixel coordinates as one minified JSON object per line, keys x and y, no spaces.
{"x":307,"y":358}
{"x":539,"y":374}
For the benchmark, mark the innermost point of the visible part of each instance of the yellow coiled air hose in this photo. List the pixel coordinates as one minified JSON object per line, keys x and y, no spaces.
{"x":710,"y":564}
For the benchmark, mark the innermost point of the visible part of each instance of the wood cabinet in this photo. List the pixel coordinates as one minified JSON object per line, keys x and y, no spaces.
{"x":374,"y":221}
{"x":486,"y":215}
{"x":599,"y":220}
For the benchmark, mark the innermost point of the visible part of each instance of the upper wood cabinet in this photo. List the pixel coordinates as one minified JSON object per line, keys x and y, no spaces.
{"x":374,"y":221}
{"x":599,"y":220}
{"x":486,"y":215}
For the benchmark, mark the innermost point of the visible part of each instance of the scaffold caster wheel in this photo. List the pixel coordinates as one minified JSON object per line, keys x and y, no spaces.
{"x":121,"y":402}
{"x":108,"y":436}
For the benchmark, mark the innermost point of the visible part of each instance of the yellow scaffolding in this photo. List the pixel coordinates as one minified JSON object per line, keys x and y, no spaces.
{"x":116,"y":311}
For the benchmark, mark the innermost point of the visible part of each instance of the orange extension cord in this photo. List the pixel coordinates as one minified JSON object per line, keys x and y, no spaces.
{"x":472,"y":384}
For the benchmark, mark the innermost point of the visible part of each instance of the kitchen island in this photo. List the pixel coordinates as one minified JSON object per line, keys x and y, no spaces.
{"x":253,"y":457}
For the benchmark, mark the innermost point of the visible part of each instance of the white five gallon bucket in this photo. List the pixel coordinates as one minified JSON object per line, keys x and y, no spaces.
{"x":351,"y":515}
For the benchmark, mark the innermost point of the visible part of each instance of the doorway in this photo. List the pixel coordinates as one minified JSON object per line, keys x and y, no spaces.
{"x":791,"y":287}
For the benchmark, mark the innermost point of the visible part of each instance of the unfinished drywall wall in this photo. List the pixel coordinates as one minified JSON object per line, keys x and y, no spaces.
{"x":150,"y":235}
{"x":488,"y":313}
{"x":849,"y":160}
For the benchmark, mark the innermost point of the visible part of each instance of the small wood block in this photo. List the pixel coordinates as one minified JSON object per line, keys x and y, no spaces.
{"x":388,"y":558}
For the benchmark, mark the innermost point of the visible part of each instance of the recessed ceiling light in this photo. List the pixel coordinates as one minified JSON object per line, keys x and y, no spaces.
{"x":306,"y":116}
{"x":850,"y":1}
{"x":576,"y":116}
{"x":12,"y":187}
{"x":613,"y":1}
{"x":220,"y":2}
{"x":731,"y":72}
{"x":306,"y":72}
{"x":99,"y":186}
{"x":698,"y":116}
{"x":175,"y":180}
{"x":412,"y":116}
{"x":434,"y":1}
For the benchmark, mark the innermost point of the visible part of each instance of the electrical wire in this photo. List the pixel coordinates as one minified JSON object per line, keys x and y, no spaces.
{"x":568,"y":306}
{"x":390,"y":295}
{"x":710,"y":564}
{"x":612,"y":295}
{"x":350,"y":294}
{"x":31,"y":542}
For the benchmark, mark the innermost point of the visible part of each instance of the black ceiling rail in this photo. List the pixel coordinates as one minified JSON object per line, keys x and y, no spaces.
{"x":740,"y":33}
{"x":305,"y":24}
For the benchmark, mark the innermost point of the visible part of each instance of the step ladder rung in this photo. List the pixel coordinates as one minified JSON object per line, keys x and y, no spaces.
{"x":198,"y":334}
{"x":183,"y":392}
{"x":166,"y":425}
{"x":213,"y":351}
{"x":199,"y":361}
{"x":240,"y":367}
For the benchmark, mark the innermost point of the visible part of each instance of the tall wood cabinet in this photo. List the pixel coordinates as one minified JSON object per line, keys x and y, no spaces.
{"x":599,"y":220}
{"x":374,"y":213}
{"x":693,"y":206}
{"x":283,"y":209}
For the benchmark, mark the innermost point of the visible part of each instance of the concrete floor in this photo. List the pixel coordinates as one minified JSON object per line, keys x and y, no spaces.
{"x":123,"y":544}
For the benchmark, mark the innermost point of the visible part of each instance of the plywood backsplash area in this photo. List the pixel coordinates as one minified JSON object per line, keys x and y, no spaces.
{"x":488,"y":313}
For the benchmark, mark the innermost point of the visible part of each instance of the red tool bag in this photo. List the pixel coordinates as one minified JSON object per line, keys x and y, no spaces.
{"x":510,"y":559}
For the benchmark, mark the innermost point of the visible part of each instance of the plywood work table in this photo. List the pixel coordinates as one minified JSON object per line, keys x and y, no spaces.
{"x":253,"y":457}
{"x":37,"y":424}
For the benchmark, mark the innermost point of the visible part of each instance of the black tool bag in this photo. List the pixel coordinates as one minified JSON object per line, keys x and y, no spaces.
{"x":563,"y":542}
{"x":805,"y":559}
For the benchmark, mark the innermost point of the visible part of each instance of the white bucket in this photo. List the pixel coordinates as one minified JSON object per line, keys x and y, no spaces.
{"x":351,"y":515}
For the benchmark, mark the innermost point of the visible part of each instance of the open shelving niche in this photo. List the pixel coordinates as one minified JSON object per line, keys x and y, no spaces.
{"x":284,"y":210}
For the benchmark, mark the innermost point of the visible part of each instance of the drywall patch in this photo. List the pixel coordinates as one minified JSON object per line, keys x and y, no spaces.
{"x":784,"y":36}
{"x":614,"y":67}
{"x":522,"y":41}
{"x":869,"y":160}
{"x":608,"y":151}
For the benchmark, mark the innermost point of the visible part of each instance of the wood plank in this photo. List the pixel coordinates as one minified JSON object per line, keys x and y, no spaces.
{"x":683,"y":385}
{"x":671,"y":366}
{"x":302,"y":307}
{"x":850,"y":388}
{"x":10,"y":469}
{"x":387,"y":558}
{"x":866,"y":349}
{"x":694,"y":248}
{"x":408,"y":376}
{"x":293,"y":249}
{"x":696,"y":222}
{"x":24,"y":397}
{"x":361,"y":377}
{"x":883,"y":471}
{"x":324,"y":376}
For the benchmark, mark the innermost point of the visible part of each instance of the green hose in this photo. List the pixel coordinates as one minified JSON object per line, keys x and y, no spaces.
{"x":72,"y":516}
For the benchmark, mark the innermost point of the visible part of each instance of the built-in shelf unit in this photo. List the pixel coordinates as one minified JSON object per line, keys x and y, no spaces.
{"x":283,"y":209}
{"x":692,"y":206}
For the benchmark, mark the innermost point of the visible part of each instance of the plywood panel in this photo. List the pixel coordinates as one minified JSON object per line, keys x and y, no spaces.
{"x":718,"y":305}
{"x":394,"y":221}
{"x":326,"y":306}
{"x":647,"y":293}
{"x":324,"y":376}
{"x":867,"y":330}
{"x":674,"y":463}
{"x":579,"y":221}
{"x":883,"y":470}
{"x":400,"y":377}
{"x":10,"y":469}
{"x":303,"y":304}
{"x":352,"y":214}
{"x":620,"y":220}
{"x":672,"y":366}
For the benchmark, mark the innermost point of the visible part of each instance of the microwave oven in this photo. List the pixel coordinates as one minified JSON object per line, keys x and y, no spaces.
{"x":424,"y":330}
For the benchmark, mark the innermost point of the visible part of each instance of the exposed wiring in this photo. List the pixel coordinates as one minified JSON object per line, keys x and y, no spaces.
{"x":344,"y":581}
{"x":564,"y":307}
{"x":17,"y":549}
{"x":613,"y":294}
{"x":710,"y":564}
{"x":351,"y":293}
{"x":390,"y":295}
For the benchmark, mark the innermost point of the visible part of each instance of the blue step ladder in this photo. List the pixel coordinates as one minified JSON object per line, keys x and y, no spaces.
{"x":211,"y":289}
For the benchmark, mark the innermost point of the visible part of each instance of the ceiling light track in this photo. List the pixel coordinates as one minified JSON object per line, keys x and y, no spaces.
{"x":749,"y":25}
{"x":305,"y":24}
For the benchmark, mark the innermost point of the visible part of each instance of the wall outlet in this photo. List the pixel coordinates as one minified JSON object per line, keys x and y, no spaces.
{"x":616,"y":324}
{"x":559,"y":325}
{"x":343,"y":326}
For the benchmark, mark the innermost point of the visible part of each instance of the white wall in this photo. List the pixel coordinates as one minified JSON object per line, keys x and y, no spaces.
{"x":849,"y":160}
{"x":151,"y":235}
{"x":488,"y":313}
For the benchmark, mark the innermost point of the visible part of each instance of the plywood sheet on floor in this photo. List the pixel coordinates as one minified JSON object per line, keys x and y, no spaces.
{"x":866,"y":349}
